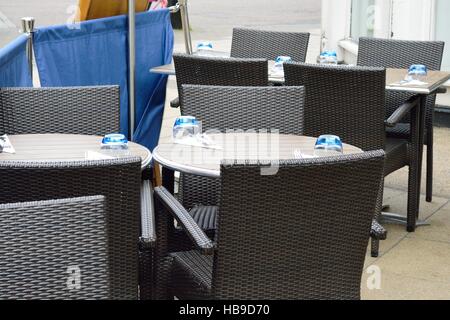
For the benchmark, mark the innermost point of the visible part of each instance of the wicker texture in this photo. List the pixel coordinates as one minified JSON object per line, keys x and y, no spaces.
{"x":401,"y":54}
{"x":273,"y":233}
{"x":118,"y":180}
{"x":41,"y":241}
{"x":253,"y":43}
{"x":219,"y":72}
{"x":349,"y":102}
{"x":237,"y":108}
{"x":80,"y":110}
{"x":346,"y":101}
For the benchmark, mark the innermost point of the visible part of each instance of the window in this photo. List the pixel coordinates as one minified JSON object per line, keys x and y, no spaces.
{"x":363,"y":19}
{"x":443,"y":29}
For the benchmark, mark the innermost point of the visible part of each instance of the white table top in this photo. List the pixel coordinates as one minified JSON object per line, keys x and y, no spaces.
{"x":66,"y":147}
{"x":236,"y":146}
{"x":394,"y":77}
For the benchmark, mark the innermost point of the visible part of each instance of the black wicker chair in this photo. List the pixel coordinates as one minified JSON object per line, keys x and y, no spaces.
{"x":118,"y":180}
{"x":80,"y":110}
{"x":349,"y":102}
{"x":277,"y":240}
{"x":56,"y":249}
{"x":199,"y":70}
{"x":254,"y":43}
{"x":76,"y":110}
{"x":390,"y":53}
{"x":237,"y":108}
{"x":224,"y":108}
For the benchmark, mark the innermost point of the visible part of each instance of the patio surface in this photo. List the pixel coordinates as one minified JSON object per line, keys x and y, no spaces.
{"x":412,"y":265}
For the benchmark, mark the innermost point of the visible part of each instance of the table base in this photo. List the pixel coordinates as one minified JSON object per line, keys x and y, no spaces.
{"x":394,"y":218}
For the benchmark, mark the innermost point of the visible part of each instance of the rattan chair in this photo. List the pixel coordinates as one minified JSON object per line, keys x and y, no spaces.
{"x":276,"y":239}
{"x":80,"y":110}
{"x":237,"y":108}
{"x":254,"y":43}
{"x":223,"y":108}
{"x":117,"y":180}
{"x":349,"y":102}
{"x":390,"y":53}
{"x":76,"y":110}
{"x":213,"y":71}
{"x":55,"y":249}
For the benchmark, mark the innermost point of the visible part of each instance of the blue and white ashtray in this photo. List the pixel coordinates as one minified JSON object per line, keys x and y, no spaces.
{"x":204,"y":46}
{"x":283,"y":59}
{"x":418,"y":70}
{"x":328,"y":57}
{"x":115,"y":140}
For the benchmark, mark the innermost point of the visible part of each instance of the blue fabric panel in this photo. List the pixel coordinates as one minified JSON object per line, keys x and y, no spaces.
{"x":94,"y":54}
{"x":14,"y":68}
{"x":97,"y":54}
{"x":154,"y":47}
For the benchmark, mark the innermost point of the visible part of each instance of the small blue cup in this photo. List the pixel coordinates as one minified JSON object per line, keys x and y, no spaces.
{"x":204,"y":46}
{"x":328,"y":145}
{"x":283,"y":59}
{"x":328,"y":57}
{"x":418,"y":70}
{"x":115,"y":140}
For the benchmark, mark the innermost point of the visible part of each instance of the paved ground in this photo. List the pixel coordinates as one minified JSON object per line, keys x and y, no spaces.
{"x":412,"y":266}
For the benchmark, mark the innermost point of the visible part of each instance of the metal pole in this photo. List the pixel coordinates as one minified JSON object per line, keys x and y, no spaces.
{"x":28,"y":29}
{"x":132,"y":63}
{"x":185,"y":25}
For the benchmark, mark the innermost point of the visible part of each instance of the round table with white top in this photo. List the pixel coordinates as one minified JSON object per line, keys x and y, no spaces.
{"x":69,"y":147}
{"x":266,"y":148}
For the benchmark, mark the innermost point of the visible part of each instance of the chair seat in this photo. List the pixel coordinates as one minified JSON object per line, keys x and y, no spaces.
{"x":205,"y":216}
{"x":191,"y":275}
{"x":396,"y":155}
{"x":401,"y":131}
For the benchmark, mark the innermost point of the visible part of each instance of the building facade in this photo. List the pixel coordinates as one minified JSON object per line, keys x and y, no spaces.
{"x":344,"y":21}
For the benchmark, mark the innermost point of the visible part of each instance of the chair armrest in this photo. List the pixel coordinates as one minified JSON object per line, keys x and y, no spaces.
{"x":175,"y":103}
{"x":441,"y":90}
{"x":148,"y":233}
{"x":401,"y":112}
{"x":377,"y":231}
{"x":183,"y":217}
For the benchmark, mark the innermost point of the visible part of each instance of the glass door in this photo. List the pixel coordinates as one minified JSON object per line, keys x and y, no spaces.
{"x":442,"y":31}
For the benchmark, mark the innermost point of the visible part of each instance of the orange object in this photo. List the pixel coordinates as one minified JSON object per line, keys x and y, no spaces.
{"x":95,"y":9}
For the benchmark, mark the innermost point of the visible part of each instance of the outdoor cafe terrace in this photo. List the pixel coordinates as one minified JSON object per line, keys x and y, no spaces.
{"x":257,"y":166}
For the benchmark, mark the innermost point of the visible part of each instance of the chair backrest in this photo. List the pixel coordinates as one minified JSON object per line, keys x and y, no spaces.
{"x":54,"y":249}
{"x":254,"y":43}
{"x":214,"y":71}
{"x":341,"y":100}
{"x":232,"y":108}
{"x":246,"y":108}
{"x":71,"y":110}
{"x":301,"y":234}
{"x":118,"y":180}
{"x":401,"y":54}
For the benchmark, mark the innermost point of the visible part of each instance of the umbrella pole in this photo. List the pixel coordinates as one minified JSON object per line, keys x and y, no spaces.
{"x":28,"y":29}
{"x":132,"y":64}
{"x":185,"y":25}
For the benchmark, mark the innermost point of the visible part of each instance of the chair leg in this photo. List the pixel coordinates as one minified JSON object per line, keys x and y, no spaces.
{"x":375,"y":243}
{"x":430,"y":140}
{"x":374,"y":248}
{"x":413,"y":193}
